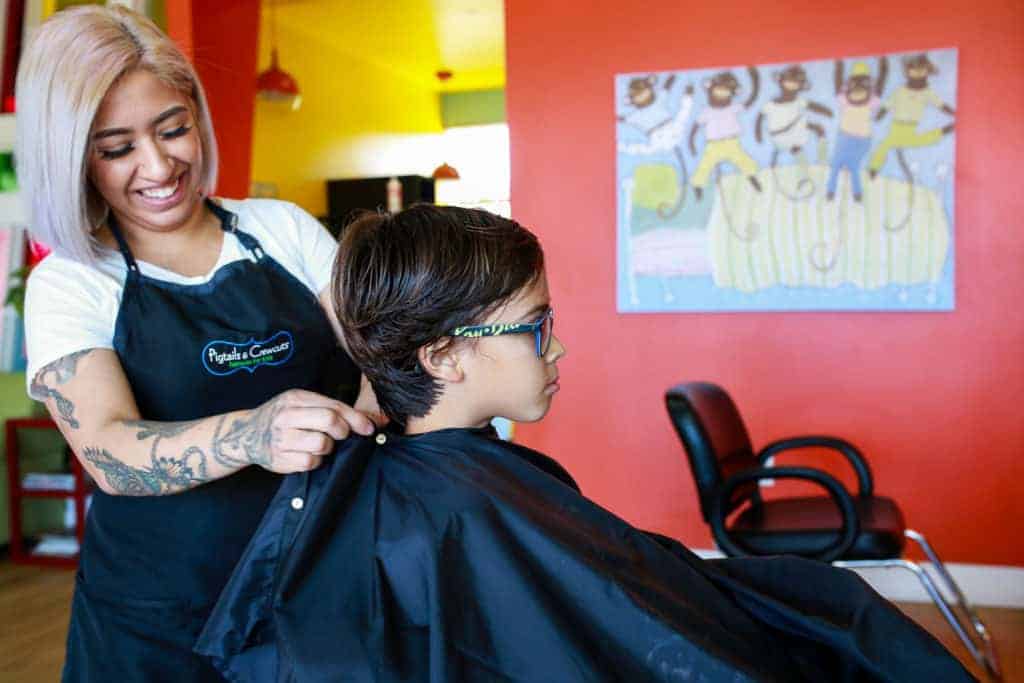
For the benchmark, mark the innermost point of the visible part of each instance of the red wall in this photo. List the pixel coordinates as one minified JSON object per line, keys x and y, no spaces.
{"x":222,"y":39}
{"x":930,"y":397}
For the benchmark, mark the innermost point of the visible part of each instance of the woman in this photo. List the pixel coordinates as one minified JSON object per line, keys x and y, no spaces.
{"x":176,"y":341}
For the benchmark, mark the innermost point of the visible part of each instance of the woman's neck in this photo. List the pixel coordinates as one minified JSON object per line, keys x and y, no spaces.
{"x":190,"y":250}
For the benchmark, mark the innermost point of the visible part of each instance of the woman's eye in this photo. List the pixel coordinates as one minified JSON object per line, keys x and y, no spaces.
{"x":176,"y":133}
{"x":115,"y":153}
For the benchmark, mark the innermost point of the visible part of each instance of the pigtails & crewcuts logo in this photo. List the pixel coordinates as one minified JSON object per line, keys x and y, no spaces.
{"x":223,"y":358}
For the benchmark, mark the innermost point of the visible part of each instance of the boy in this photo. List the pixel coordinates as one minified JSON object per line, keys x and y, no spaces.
{"x":434,"y":552}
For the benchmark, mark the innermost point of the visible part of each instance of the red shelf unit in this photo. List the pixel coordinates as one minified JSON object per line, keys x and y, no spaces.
{"x":16,"y":495}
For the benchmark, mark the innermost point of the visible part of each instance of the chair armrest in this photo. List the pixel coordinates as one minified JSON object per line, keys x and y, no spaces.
{"x":865,"y":484}
{"x":734,"y":547}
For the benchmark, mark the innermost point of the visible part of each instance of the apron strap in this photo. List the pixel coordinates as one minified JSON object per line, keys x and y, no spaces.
{"x":229,"y":223}
{"x":122,"y":246}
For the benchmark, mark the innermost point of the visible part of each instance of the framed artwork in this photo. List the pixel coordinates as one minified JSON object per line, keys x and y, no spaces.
{"x":820,"y":185}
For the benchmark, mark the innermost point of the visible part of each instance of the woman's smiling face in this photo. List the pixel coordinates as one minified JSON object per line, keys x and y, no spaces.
{"x":145,"y":156}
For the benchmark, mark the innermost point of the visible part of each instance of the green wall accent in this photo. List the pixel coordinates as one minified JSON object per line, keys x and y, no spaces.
{"x":41,"y":451}
{"x":472,"y":108}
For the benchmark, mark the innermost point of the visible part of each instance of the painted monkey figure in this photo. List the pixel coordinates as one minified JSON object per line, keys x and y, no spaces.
{"x":722,"y":129}
{"x":908,"y":104}
{"x":663,"y":130}
{"x":858,"y":99}
{"x":786,"y":115}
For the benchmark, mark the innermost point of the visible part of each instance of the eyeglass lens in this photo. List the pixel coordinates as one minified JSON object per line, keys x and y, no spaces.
{"x":546,"y":331}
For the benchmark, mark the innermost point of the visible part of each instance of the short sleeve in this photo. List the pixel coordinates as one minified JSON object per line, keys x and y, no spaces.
{"x":317,"y":248}
{"x":934,"y":99}
{"x":69,"y":307}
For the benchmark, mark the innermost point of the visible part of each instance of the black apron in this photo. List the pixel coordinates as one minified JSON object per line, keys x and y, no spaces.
{"x":151,"y":567}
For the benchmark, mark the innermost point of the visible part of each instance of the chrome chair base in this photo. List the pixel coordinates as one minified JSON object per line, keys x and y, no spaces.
{"x":973,"y":634}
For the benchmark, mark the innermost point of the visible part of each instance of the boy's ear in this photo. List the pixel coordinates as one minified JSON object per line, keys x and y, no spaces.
{"x":441,"y":361}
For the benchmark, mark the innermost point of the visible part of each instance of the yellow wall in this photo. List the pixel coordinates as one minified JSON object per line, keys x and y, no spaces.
{"x":355,"y":113}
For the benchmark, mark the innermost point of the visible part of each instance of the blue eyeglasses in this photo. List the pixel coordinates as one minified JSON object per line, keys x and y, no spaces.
{"x":542,"y":330}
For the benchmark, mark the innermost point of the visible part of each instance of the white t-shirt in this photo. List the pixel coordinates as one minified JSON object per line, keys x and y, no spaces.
{"x":70,"y":306}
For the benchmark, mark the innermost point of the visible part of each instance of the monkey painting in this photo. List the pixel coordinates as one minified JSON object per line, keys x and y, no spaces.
{"x":858,"y":100}
{"x":722,"y":128}
{"x":786,"y":115}
{"x":908,"y":104}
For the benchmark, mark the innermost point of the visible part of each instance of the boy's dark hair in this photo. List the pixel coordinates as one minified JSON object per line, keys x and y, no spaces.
{"x":405,"y":280}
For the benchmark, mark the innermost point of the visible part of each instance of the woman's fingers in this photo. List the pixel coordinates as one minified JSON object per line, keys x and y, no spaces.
{"x":287,"y":462}
{"x":345,"y":417}
{"x":367,"y":403}
{"x":356,"y":420}
{"x":305,"y":441}
{"x":305,"y":426}
{"x":335,"y":420}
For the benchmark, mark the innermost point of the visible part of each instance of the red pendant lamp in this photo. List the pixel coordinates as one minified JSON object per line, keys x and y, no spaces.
{"x":445,"y":171}
{"x":275,"y":84}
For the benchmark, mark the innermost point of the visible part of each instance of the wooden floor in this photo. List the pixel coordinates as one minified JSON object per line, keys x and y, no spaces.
{"x":34,"y":613}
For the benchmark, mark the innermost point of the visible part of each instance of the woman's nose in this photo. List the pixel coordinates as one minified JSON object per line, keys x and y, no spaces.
{"x":157,"y":164}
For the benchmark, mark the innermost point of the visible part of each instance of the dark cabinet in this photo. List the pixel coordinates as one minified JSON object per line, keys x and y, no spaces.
{"x":345,"y":196}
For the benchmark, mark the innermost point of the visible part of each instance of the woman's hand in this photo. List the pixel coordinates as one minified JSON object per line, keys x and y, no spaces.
{"x":293,"y":431}
{"x":367,"y":404}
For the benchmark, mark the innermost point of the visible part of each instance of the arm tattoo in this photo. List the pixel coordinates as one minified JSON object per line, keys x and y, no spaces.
{"x":164,"y":475}
{"x":56,"y":373}
{"x":247,"y":441}
{"x":148,"y":428}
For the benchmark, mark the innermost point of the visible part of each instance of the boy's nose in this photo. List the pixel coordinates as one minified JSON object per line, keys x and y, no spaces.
{"x":556,"y":350}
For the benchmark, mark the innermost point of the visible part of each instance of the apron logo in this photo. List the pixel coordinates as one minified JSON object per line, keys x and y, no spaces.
{"x":223,"y":358}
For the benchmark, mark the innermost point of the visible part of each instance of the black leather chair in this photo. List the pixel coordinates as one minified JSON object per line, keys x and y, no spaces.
{"x":854,"y":531}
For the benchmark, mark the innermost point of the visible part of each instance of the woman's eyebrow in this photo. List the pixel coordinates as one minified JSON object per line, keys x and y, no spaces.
{"x":112,"y":132}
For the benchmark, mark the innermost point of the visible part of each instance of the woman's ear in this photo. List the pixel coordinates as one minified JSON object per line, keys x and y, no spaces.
{"x":440,"y":360}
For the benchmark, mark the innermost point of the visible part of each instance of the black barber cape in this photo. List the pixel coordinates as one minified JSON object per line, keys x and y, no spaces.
{"x":453,"y":556}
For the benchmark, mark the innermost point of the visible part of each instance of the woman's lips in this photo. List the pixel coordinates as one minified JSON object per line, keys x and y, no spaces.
{"x":168,"y":201}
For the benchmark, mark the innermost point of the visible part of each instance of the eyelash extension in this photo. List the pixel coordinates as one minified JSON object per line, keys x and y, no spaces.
{"x":110,"y":154}
{"x":177,"y":132}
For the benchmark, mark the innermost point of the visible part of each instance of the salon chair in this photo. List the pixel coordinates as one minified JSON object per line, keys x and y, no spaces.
{"x":859,"y":530}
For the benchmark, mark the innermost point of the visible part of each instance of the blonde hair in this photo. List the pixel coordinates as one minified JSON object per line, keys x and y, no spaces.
{"x":70,"y":63}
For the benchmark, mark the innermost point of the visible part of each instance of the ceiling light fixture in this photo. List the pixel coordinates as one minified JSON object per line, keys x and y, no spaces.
{"x":276,"y":84}
{"x":445,"y":172}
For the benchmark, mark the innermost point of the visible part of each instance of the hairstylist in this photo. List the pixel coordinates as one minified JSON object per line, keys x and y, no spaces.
{"x":177,"y":341}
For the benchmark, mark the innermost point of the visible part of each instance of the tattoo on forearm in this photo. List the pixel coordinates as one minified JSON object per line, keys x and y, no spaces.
{"x":148,"y":428}
{"x":164,"y":474}
{"x":56,"y":373}
{"x":247,"y":441}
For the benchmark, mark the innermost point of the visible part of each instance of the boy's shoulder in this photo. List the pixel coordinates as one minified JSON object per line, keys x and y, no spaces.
{"x":544,"y":463}
{"x":458,"y":471}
